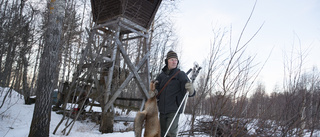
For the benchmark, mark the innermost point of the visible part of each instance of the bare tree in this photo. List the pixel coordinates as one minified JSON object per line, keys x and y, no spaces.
{"x":207,"y":79}
{"x":293,"y":115}
{"x":16,"y":42}
{"x":70,"y":41}
{"x":10,"y":40}
{"x":234,"y":77}
{"x":162,"y":36}
{"x":47,"y":73}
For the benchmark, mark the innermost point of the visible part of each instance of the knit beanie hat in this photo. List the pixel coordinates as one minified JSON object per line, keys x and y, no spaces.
{"x":172,"y":54}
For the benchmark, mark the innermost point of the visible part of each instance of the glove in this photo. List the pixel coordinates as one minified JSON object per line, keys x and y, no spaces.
{"x":189,"y":88}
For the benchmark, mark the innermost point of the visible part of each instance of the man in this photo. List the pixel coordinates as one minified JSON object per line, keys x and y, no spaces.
{"x":172,"y":87}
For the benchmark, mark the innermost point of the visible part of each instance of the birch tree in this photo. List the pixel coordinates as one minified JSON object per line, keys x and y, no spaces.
{"x":48,"y":70}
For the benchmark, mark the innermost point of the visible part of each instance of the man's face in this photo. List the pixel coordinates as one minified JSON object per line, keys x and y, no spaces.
{"x":172,"y":63}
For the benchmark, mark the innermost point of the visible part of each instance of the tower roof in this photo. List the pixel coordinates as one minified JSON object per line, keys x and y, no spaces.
{"x":140,"y":12}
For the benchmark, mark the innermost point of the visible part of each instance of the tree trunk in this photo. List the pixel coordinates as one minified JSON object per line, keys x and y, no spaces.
{"x":35,"y":69}
{"x":106,"y":125}
{"x":25,"y":61}
{"x":9,"y":61}
{"x":47,"y":72}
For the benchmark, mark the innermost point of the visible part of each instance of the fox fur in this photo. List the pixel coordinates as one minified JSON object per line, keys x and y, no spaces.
{"x":149,"y":116}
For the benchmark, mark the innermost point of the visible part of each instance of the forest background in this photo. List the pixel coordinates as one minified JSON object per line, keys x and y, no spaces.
{"x":226,"y":86}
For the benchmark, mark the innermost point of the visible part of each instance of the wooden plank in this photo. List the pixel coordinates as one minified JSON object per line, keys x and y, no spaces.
{"x":110,"y":75}
{"x":125,"y":83}
{"x":130,"y":99}
{"x":133,"y":69}
{"x":133,"y":30}
{"x":134,"y":25}
{"x":128,"y":119}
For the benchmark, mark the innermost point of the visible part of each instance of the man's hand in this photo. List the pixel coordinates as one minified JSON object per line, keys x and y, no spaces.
{"x":189,"y":88}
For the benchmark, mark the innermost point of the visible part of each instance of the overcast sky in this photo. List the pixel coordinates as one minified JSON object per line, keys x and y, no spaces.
{"x":287,"y":24}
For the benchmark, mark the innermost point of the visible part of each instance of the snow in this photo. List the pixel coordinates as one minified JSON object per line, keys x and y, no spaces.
{"x":16,"y":117}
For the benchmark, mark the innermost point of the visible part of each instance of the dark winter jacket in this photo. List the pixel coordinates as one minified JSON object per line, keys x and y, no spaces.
{"x":171,"y":96}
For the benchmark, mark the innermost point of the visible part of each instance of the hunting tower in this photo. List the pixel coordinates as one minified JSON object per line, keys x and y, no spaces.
{"x":101,"y":75}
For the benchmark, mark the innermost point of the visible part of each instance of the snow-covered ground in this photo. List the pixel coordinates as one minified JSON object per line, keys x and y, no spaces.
{"x":16,"y":117}
{"x":15,"y":121}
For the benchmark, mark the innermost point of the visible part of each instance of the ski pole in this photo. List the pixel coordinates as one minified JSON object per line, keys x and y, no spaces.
{"x":195,"y":73}
{"x":175,"y":115}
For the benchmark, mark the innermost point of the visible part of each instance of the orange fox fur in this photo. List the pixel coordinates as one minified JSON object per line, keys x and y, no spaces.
{"x":149,"y":115}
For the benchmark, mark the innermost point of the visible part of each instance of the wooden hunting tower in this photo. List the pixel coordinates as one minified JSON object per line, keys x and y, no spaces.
{"x":140,"y":12}
{"x":116,"y":23}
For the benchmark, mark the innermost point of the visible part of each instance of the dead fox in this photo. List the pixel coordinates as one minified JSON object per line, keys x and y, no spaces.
{"x":149,"y":115}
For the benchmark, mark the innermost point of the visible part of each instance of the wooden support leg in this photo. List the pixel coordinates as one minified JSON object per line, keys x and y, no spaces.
{"x":107,"y":121}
